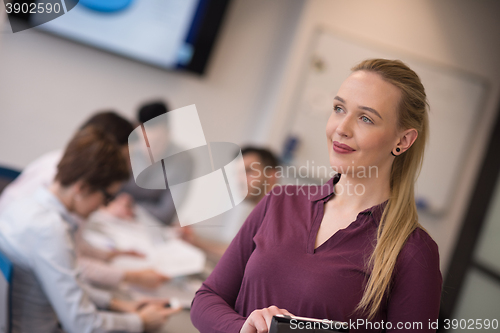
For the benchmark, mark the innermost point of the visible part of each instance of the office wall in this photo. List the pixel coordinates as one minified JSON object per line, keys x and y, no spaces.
{"x":460,"y":34}
{"x":48,"y":86}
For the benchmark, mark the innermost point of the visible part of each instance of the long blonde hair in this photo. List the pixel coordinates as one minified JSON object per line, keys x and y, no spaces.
{"x":399,"y":218}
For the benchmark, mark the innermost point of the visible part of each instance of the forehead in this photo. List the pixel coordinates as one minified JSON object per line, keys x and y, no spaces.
{"x":250,"y":158}
{"x":363,"y":88}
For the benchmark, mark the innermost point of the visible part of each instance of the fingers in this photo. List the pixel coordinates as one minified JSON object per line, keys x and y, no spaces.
{"x":274,"y":310}
{"x":159,"y":302}
{"x":142,"y":303}
{"x":164,"y":278}
{"x":259,"y":323}
{"x":160,"y":278}
{"x":285,"y":312}
{"x":167,"y":312}
{"x":133,"y":253}
{"x":164,"y":302}
{"x":160,"y":308}
{"x":156,"y":279}
{"x":260,"y":320}
{"x":152,"y":279}
{"x":269,"y":313}
{"x":148,"y":307}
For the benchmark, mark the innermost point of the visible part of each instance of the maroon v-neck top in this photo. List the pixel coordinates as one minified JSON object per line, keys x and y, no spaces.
{"x":273,"y":261}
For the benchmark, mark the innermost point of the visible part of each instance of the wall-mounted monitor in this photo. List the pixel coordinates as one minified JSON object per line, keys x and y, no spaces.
{"x":171,"y":34}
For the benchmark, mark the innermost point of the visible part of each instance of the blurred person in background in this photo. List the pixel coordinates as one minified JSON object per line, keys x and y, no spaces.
{"x":37,"y":234}
{"x":159,"y":203}
{"x":93,"y":262}
{"x":214,"y":235}
{"x":261,"y":169}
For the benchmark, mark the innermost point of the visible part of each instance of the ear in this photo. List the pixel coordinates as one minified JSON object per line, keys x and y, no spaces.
{"x":275,"y":176}
{"x":406,"y":139}
{"x":81,"y":189}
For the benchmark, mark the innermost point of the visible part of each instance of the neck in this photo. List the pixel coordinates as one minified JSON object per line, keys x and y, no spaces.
{"x":255,"y":199}
{"x":357,"y":194}
{"x":64,"y":194}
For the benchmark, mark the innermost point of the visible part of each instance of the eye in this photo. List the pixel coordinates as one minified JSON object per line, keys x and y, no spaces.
{"x":366,"y":120}
{"x":337,"y":109}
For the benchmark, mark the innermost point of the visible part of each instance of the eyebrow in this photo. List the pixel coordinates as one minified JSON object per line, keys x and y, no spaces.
{"x":366,"y":108}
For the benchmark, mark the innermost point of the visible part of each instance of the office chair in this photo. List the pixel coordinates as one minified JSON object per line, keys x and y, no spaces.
{"x":7,"y":175}
{"x":5,"y":280}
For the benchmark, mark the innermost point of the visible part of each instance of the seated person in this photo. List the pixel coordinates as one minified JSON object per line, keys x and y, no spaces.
{"x":261,"y":167}
{"x":214,"y":235}
{"x":158,"y":203}
{"x":37,"y":235}
{"x":92,"y":261}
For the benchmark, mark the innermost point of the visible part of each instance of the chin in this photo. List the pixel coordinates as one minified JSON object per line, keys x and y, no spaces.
{"x":84,"y":215}
{"x":339,"y":166}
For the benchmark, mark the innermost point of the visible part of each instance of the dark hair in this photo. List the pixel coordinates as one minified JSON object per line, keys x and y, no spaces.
{"x":266,"y":156}
{"x":151,"y":110}
{"x":94,"y":157}
{"x":114,"y":124}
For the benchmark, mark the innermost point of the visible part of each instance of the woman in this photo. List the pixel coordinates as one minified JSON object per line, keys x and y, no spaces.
{"x":351,"y":250}
{"x":37,"y":234}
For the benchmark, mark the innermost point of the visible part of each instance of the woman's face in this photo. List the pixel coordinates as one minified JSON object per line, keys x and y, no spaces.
{"x":86,"y":202}
{"x":364,"y":118}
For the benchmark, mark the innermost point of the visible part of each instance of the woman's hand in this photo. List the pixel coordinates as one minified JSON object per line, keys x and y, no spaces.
{"x":259,"y":321}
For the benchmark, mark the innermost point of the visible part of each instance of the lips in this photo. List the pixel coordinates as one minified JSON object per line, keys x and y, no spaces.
{"x":342,"y":148}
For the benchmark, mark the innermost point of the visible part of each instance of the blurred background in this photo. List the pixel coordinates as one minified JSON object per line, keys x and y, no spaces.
{"x":255,"y":73}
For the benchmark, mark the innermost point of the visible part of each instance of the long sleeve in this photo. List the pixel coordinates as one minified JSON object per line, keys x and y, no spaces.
{"x":213,"y":306}
{"x":415,"y":296}
{"x":101,"y":298}
{"x":53,"y":262}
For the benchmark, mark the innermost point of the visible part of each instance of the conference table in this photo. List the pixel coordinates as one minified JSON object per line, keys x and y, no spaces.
{"x":164,"y":251}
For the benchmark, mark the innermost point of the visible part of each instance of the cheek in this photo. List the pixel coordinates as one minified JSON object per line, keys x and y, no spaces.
{"x":330,"y":127}
{"x":375,"y":144}
{"x":93,"y":203}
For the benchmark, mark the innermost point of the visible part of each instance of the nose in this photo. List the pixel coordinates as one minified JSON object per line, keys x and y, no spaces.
{"x":344,"y":127}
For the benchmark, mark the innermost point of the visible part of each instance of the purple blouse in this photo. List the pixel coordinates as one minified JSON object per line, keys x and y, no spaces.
{"x":272,"y":261}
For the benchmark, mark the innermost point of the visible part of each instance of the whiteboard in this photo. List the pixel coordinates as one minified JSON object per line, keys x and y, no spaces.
{"x":455,"y":98}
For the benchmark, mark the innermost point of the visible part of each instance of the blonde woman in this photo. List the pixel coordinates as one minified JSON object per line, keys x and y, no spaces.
{"x":351,"y":250}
